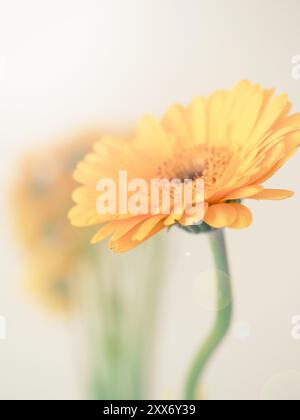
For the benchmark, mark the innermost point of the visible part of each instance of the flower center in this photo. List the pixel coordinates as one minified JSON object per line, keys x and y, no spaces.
{"x":201,"y":161}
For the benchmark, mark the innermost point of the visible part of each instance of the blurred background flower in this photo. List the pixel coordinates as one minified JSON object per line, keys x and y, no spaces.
{"x":112,"y":301}
{"x":40,"y":202}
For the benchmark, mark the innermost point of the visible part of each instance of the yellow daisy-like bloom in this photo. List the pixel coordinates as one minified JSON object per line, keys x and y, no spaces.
{"x":50,"y":281}
{"x":41,"y":199}
{"x":233,"y":140}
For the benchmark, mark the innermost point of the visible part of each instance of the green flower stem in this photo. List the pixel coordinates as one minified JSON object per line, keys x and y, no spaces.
{"x":223,"y":315}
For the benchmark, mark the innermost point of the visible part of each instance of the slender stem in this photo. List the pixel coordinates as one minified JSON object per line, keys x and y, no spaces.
{"x":223,"y":315}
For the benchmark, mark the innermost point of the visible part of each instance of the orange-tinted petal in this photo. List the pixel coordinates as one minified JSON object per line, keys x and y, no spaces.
{"x":146,"y":228}
{"x":175,"y":120}
{"x":81,"y":216}
{"x":273,"y":111}
{"x":127,"y":227}
{"x":198,"y":119}
{"x":106,"y":230}
{"x":220,"y":215}
{"x":127,"y":243}
{"x":84,"y":195}
{"x":268,"y":194}
{"x":243,"y":217}
{"x":216,"y":115}
{"x":244,"y":125}
{"x":243,"y":192}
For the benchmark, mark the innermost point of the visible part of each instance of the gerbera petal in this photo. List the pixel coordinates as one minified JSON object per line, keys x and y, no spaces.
{"x":151,"y":133}
{"x":248,"y":118}
{"x":127,"y":227}
{"x":292,"y":121}
{"x":269,"y":194}
{"x":83,"y":216}
{"x":220,"y":215}
{"x":243,"y":192}
{"x":216,"y":106}
{"x":146,"y":227}
{"x":198,"y":119}
{"x":176,"y":121}
{"x":291,"y":146}
{"x":241,"y":95}
{"x":243,"y":216}
{"x":273,"y":156}
{"x":272,"y":113}
{"x":84,"y":195}
{"x":107,"y":230}
{"x":274,"y":137}
{"x":127,"y":243}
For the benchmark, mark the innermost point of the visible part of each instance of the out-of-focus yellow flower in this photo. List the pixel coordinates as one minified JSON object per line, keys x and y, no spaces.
{"x":233,"y":140}
{"x":41,"y":200}
{"x":50,"y":281}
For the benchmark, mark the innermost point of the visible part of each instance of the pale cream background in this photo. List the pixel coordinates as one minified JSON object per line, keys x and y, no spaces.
{"x":72,"y":62}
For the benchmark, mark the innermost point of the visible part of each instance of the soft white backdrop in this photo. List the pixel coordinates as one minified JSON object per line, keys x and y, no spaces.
{"x":76,"y":62}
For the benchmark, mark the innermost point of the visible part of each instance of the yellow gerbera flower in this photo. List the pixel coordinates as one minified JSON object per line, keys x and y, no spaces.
{"x":50,"y":282}
{"x":41,"y":195}
{"x":41,"y":199}
{"x":233,"y":140}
